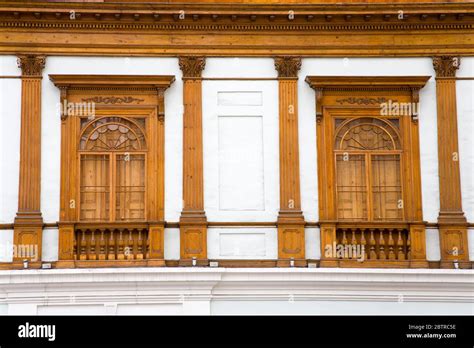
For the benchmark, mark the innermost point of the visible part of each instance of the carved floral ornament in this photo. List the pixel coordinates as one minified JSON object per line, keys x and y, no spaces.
{"x":446,"y":66}
{"x":287,"y":66}
{"x":192,"y":66}
{"x":362,"y":101}
{"x":113,"y":100}
{"x":31,"y":65}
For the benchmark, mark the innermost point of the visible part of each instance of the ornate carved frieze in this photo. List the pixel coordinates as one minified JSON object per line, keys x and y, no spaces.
{"x":192,"y":66}
{"x":446,"y":66}
{"x":31,"y":65}
{"x":287,"y":66}
{"x":362,"y":101}
{"x":113,"y":100}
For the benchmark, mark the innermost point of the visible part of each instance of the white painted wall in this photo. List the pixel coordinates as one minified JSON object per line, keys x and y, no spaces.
{"x":312,"y":243}
{"x":172,"y":245}
{"x":241,"y":151}
{"x":6,"y":245}
{"x":433,"y":251}
{"x":50,"y":250}
{"x":10,"y":123}
{"x":243,"y":243}
{"x":240,"y":68}
{"x":465,"y":105}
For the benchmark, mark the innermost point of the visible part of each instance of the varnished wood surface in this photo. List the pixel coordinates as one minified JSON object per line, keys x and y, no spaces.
{"x":152,"y":29}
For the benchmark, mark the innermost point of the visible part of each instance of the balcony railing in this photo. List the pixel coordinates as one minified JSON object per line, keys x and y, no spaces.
{"x":378,"y":244}
{"x":111,"y":244}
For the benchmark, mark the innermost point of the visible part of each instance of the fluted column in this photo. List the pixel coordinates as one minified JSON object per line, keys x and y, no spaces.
{"x":28,"y":221}
{"x":451,"y":219}
{"x":193,"y":222}
{"x":290,"y":218}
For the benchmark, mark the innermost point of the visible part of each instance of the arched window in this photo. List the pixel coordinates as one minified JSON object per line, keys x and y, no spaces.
{"x":112,"y":154}
{"x":368,"y":170}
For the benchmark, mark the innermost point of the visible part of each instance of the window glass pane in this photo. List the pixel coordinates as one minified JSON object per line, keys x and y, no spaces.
{"x":351,"y":187}
{"x":95,"y":187}
{"x":130,"y":187}
{"x":386,"y":187}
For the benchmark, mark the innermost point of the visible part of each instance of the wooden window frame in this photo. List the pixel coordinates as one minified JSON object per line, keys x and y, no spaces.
{"x":362,"y":96}
{"x":125,"y":96}
{"x":371,"y":113}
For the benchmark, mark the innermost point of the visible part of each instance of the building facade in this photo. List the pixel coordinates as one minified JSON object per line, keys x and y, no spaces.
{"x":236,"y":158}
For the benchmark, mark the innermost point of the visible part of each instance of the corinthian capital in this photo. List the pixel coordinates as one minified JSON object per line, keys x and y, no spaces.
{"x":287,"y":66}
{"x":192,"y":66}
{"x":31,"y":65}
{"x":446,"y":66}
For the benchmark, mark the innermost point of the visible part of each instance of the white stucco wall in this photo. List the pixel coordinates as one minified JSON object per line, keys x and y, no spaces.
{"x":465,"y":105}
{"x":10,"y":122}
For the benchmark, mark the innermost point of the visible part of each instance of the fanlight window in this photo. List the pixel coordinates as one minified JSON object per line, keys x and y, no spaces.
{"x":367,"y":134}
{"x":113,"y":134}
{"x":112,"y":170}
{"x":368,"y":169}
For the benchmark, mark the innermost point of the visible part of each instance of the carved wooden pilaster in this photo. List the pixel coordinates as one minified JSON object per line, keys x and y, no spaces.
{"x":28,"y":225}
{"x":290,"y":218}
{"x":451,"y":219}
{"x":193,"y":222}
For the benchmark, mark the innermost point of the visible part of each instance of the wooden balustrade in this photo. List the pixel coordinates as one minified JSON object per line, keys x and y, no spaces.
{"x":376,"y":244}
{"x":111,"y":244}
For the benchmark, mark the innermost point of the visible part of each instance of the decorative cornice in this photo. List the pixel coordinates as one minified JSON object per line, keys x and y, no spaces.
{"x":225,"y":27}
{"x":31,"y":65}
{"x":192,"y":66}
{"x":446,"y":66}
{"x":113,"y":82}
{"x":366,"y":83}
{"x":288,"y":66}
{"x":236,"y":26}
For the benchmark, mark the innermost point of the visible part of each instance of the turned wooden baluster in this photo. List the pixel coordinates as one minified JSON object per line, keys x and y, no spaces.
{"x":120,"y":253}
{"x":408,"y":245}
{"x":373,"y":254}
{"x":92,"y":254}
{"x":363,"y":243}
{"x":111,"y":255}
{"x":344,"y":244}
{"x":354,"y":245}
{"x":102,"y":246}
{"x":75,"y":247}
{"x":130,"y":253}
{"x":83,"y":255}
{"x":382,"y":255}
{"x":391,"y":254}
{"x":147,"y":246}
{"x":139,"y":246}
{"x":401,"y":253}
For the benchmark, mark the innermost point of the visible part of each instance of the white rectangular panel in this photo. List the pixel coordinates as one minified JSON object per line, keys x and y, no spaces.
{"x":241,"y":179}
{"x":242,"y":244}
{"x":239,"y":98}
